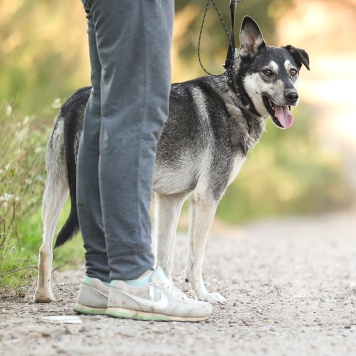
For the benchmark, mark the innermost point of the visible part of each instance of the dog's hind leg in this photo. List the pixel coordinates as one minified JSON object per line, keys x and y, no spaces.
{"x":201,"y":217}
{"x":168,"y":208}
{"x":54,"y":198}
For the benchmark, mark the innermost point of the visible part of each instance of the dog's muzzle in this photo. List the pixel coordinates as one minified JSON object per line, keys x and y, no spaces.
{"x":281,"y":115}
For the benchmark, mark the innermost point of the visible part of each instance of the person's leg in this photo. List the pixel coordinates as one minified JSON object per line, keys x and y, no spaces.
{"x":134,"y":41}
{"x":134,"y":45}
{"x":88,"y":193}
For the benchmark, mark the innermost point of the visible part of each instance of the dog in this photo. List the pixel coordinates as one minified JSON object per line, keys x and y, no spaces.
{"x":214,"y":121}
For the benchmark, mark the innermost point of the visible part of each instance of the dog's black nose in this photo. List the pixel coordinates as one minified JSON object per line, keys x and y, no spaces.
{"x":291,"y":96}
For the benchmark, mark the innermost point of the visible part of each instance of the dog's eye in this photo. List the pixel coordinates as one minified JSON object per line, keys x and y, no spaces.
{"x":267,"y":72}
{"x":293,"y":72}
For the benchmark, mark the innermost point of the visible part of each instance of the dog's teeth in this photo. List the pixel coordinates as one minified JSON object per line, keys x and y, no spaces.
{"x":271,"y":104}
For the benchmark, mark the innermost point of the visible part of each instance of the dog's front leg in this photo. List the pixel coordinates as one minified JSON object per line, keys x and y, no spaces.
{"x":168,"y":208}
{"x":202,"y":215}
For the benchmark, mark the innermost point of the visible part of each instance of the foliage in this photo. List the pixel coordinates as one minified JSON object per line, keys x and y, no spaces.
{"x":22,"y":176}
{"x":42,"y":58}
{"x":287,"y":173}
{"x":214,"y":40}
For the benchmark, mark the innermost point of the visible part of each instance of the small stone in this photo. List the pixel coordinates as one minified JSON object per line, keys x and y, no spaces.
{"x":68,"y":330}
{"x":83,"y":329}
{"x":72,"y":329}
{"x":247,"y":322}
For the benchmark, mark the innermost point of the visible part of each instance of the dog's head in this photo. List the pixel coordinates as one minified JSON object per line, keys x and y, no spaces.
{"x":269,"y":75}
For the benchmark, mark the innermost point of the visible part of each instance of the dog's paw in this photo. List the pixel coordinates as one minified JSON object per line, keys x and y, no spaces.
{"x":212,"y":298}
{"x":43,"y":297}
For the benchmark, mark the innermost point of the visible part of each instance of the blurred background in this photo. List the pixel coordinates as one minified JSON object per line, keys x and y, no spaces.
{"x":308,"y":169}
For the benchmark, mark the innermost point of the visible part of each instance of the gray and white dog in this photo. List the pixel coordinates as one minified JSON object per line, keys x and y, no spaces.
{"x":214,"y":121}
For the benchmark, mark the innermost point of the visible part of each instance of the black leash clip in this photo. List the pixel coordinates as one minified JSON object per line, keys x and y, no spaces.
{"x":232,"y":50}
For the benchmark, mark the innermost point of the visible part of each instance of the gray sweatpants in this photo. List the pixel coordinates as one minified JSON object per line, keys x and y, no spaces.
{"x":129,"y":45}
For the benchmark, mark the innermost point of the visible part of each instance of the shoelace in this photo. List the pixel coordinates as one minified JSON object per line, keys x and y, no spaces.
{"x":167,"y":285}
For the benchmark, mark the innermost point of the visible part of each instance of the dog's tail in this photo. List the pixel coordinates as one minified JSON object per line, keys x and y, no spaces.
{"x":72,"y":112}
{"x":71,"y":226}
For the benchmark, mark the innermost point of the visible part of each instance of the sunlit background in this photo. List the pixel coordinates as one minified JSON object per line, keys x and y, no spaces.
{"x":328,"y":30}
{"x":308,"y":169}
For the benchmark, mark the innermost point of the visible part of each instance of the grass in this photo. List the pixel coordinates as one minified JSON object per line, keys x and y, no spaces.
{"x":22,"y":179}
{"x":24,"y":253}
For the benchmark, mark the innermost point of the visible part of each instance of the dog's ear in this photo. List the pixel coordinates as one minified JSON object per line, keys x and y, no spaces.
{"x":251,"y":39}
{"x":299,"y":55}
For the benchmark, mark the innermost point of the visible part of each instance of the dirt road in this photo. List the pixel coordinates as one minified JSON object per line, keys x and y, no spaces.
{"x":290,"y":287}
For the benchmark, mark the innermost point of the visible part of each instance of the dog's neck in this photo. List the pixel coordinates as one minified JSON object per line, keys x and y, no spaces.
{"x":247,"y":120}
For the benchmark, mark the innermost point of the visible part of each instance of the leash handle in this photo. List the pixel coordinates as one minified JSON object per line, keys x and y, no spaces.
{"x":232,"y":51}
{"x":201,"y":31}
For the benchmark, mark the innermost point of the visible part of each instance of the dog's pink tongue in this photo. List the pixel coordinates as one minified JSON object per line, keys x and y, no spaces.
{"x":284,"y":116}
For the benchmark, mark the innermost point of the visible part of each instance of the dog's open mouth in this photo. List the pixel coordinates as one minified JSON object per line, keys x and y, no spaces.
{"x":281,"y":115}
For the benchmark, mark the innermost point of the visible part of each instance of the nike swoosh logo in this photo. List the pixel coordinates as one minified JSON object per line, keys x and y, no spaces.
{"x":160,"y":304}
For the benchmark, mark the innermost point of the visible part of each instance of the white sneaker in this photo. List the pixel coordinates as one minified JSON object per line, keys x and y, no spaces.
{"x":92,"y":298}
{"x":158,"y":300}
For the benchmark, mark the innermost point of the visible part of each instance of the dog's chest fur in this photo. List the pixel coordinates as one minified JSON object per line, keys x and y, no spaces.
{"x":206,"y":139}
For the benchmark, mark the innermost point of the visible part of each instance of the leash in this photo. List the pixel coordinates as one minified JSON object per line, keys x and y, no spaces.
{"x":232,"y":51}
{"x":201,"y":31}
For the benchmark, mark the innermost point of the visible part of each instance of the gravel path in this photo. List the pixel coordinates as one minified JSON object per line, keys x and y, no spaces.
{"x":290,"y":287}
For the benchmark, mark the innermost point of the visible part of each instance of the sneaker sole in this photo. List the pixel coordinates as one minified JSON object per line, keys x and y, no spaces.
{"x":140,"y":315}
{"x":84,"y":309}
